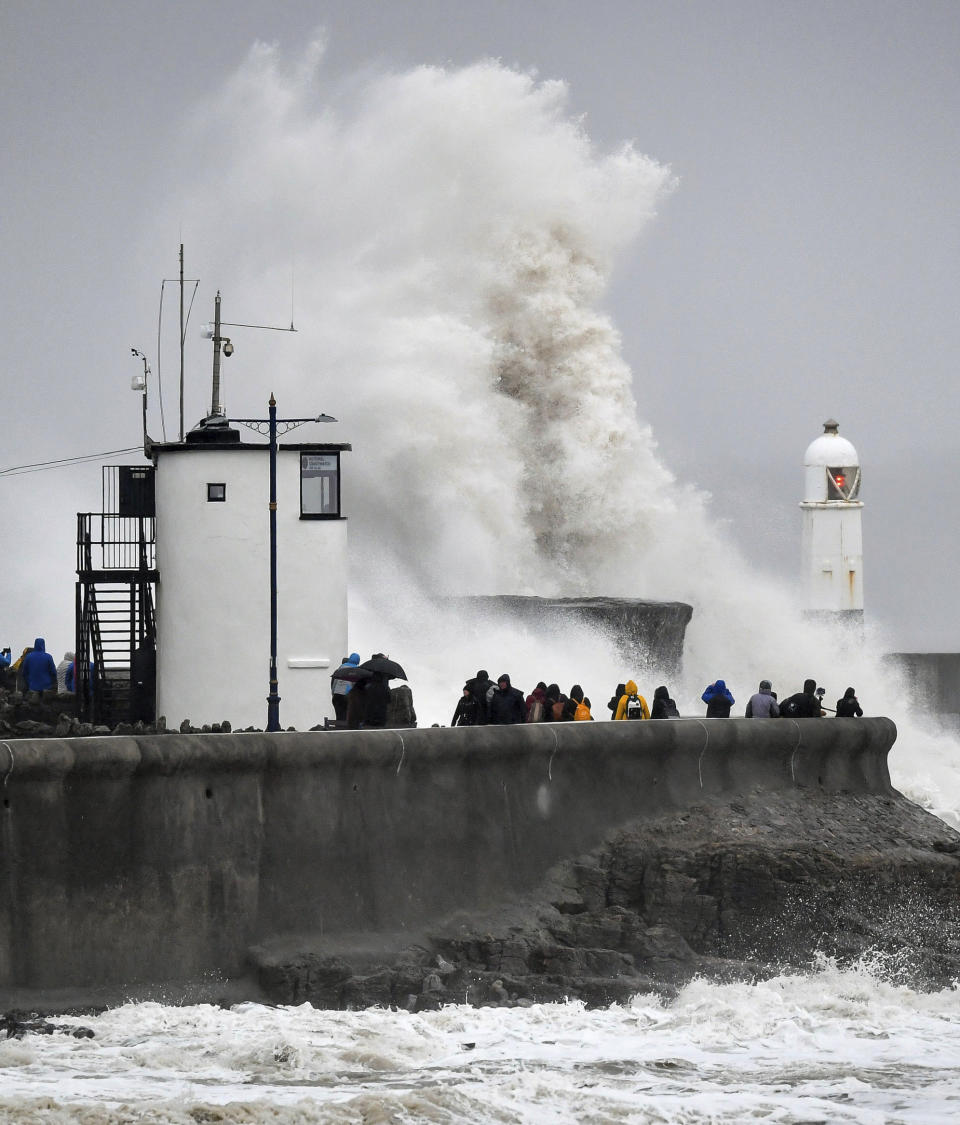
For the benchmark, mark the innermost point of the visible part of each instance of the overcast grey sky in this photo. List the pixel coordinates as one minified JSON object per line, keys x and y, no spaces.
{"x":806,"y":265}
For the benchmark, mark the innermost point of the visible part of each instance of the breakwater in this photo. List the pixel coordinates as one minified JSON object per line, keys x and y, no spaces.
{"x":645,"y":633}
{"x":130,"y":860}
{"x":933,"y":683}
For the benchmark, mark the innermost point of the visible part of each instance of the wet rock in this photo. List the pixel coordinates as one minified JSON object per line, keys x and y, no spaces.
{"x":737,"y":891}
{"x":15,"y":1025}
{"x":498,"y":994}
{"x":307,"y":977}
{"x":31,"y":728}
{"x":375,"y":990}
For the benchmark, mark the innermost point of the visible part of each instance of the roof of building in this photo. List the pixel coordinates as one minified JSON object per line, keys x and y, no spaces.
{"x":247,"y":446}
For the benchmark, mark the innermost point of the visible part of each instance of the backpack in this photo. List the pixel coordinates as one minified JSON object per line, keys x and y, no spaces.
{"x":671,"y":709}
{"x":535,"y":714}
{"x":634,"y":708}
{"x":582,"y":713}
{"x":789,"y":709}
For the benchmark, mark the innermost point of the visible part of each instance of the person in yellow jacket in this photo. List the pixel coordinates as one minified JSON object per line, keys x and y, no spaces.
{"x":631,"y":694}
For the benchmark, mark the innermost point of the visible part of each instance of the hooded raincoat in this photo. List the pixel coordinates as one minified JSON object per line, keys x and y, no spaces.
{"x":718,"y":700}
{"x":630,"y":690}
{"x":506,"y":704}
{"x":38,"y":669}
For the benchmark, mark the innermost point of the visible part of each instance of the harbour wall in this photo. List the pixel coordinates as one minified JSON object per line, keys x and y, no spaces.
{"x":646,"y":634}
{"x":130,"y":860}
{"x":933,"y":683}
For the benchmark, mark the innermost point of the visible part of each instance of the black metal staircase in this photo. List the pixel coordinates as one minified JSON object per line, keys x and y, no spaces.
{"x":116,"y":578}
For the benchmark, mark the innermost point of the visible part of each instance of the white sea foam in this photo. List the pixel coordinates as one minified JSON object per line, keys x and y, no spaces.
{"x":455,"y":232}
{"x":828,"y":1046}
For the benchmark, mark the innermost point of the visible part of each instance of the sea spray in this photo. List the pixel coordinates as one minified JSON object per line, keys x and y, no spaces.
{"x":455,"y":232}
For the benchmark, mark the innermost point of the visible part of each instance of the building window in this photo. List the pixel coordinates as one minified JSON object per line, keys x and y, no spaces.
{"x":216,"y":493}
{"x":319,"y":486}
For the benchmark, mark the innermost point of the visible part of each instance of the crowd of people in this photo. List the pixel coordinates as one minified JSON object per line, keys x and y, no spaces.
{"x":362,"y":695}
{"x":371,"y":702}
{"x":484,"y":701}
{"x":35,"y":672}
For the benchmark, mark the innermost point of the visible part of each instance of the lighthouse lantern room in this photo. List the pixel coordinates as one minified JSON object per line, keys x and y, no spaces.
{"x":832,"y":542}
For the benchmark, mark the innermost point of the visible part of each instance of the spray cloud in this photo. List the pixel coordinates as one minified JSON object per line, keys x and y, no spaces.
{"x":454,"y":233}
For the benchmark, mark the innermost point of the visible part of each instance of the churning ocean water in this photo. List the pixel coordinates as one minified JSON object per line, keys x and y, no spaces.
{"x":828,"y":1046}
{"x":456,"y":231}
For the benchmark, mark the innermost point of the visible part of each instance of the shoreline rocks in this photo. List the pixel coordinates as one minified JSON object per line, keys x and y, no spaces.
{"x":731,"y":891}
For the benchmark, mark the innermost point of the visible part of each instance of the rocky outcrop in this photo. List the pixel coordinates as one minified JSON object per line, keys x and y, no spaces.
{"x":729,"y":890}
{"x":645,"y":633}
{"x":15,"y":1025}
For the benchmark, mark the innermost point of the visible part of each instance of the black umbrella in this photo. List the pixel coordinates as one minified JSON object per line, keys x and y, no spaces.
{"x":352,"y":673}
{"x":385,"y":666}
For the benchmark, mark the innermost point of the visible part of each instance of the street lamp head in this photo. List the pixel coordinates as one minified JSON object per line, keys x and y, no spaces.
{"x":324,"y":418}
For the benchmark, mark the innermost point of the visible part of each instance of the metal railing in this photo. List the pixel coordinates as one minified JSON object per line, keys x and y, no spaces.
{"x":109,"y":542}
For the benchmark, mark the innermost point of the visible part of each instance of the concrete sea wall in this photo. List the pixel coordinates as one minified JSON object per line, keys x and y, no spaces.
{"x":163,"y":858}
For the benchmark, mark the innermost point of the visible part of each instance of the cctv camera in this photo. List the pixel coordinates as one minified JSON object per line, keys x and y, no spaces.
{"x":228,"y":348}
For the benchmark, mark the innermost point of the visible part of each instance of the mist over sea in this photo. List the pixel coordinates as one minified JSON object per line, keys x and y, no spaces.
{"x":455,"y":232}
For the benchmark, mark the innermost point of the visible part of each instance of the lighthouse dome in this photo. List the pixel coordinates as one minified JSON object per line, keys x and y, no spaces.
{"x":831,"y":468}
{"x":830,"y":448}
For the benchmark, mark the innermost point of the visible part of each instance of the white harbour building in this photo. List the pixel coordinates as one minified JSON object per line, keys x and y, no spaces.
{"x":205,"y":564}
{"x":174,"y":585}
{"x":214,"y":589}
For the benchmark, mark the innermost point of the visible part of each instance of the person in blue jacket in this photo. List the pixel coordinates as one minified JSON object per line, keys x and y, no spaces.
{"x":70,"y":679}
{"x":718,"y":700}
{"x":38,"y":669}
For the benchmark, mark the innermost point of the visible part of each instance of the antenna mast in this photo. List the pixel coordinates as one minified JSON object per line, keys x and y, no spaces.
{"x":216,"y":410}
{"x":181,"y":341}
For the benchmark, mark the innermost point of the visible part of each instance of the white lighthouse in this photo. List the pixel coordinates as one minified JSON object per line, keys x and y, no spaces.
{"x":832,"y":549}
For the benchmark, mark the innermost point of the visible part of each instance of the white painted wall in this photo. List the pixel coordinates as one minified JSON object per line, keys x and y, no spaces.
{"x":213,"y":598}
{"x":832,"y":554}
